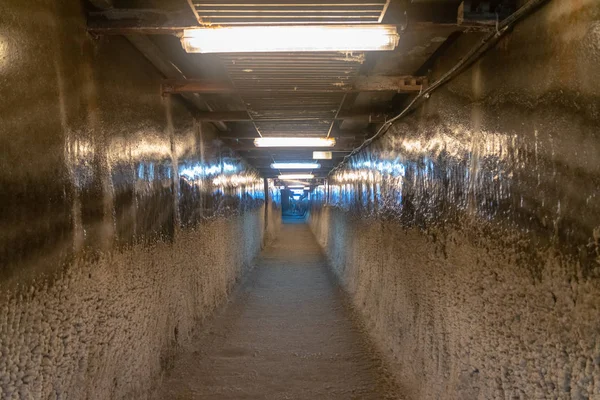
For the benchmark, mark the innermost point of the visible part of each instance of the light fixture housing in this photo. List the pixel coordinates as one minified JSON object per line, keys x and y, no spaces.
{"x":248,"y":39}
{"x":295,"y":165}
{"x":294,"y":142}
{"x":296,"y":176}
{"x":322,"y":155}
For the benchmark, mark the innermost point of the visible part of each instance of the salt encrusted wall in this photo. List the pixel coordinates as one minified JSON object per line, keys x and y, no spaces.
{"x":123,"y":223}
{"x":468,"y":236}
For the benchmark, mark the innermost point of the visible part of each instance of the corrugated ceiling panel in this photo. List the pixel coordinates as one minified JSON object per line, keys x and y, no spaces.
{"x":305,"y":113}
{"x":238,"y":12}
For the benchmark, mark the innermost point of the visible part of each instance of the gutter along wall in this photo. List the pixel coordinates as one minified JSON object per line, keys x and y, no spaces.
{"x":469,"y":235}
{"x":123,"y":223}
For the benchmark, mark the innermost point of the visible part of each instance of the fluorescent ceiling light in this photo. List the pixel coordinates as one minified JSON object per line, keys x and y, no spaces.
{"x":244,"y":39}
{"x":306,"y":187}
{"x":296,"y":176}
{"x":294,"y":142}
{"x":295,"y":186}
{"x":322,"y":155}
{"x":295,"y":165}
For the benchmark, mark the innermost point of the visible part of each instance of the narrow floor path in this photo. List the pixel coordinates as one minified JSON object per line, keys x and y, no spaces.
{"x":287,"y":334}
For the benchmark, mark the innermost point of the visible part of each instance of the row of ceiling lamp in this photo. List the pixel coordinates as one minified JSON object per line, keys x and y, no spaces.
{"x":297,"y":38}
{"x":298,"y":142}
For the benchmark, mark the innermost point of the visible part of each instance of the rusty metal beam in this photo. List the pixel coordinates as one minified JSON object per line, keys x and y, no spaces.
{"x":118,"y":21}
{"x":197,"y":86}
{"x":121,"y":21}
{"x":243,"y":116}
{"x":123,"y":28}
{"x":400,"y":84}
{"x":377,"y":83}
{"x":289,"y":151}
{"x":243,"y":134}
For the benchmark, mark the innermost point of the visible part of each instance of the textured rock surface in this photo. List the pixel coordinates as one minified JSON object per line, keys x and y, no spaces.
{"x":123,"y":223}
{"x":459,"y":319}
{"x":107,"y":329}
{"x":468,"y":236}
{"x":288,"y":333}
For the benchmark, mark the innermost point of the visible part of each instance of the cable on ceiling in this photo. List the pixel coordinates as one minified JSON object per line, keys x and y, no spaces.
{"x":473,"y":55}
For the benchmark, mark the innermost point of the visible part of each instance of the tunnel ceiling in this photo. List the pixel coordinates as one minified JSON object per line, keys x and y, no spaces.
{"x":344,"y":96}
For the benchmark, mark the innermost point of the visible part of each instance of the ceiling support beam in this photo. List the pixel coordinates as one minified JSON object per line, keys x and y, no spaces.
{"x":244,"y":134}
{"x":122,"y":28}
{"x":399,"y":84}
{"x":283,"y":150}
{"x":127,"y":27}
{"x":197,"y":86}
{"x":243,"y":116}
{"x":148,"y":21}
{"x":123,"y":21}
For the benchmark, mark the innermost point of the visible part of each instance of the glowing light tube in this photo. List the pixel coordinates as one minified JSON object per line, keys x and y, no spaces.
{"x":322,"y":155}
{"x":296,"y":176}
{"x":246,"y":39}
{"x":294,"y":142}
{"x":295,"y":165}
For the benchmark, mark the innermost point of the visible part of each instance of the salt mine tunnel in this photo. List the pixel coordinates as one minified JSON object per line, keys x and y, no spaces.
{"x":293,"y":199}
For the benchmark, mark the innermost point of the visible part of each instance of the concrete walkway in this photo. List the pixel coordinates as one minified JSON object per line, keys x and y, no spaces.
{"x":287,"y":334}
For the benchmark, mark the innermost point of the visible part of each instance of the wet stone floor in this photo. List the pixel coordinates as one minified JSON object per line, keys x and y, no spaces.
{"x":287,"y":333}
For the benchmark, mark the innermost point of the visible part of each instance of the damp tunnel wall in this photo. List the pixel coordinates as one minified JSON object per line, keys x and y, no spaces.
{"x":123,"y":222}
{"x":468,"y":236}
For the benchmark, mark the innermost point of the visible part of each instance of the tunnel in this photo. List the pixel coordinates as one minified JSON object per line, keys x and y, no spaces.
{"x":294,"y":199}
